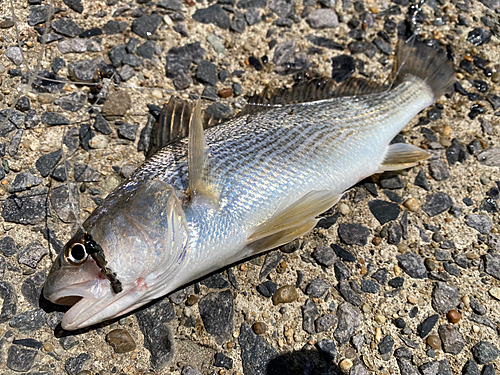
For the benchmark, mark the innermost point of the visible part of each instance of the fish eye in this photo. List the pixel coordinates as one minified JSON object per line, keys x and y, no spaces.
{"x":77,"y":253}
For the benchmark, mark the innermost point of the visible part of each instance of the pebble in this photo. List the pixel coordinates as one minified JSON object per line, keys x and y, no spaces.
{"x":270,"y":263}
{"x":341,"y":271}
{"x":345,"y":365}
{"x":29,"y":321}
{"x":385,"y":347}
{"x":158,"y":338}
{"x":349,"y":318}
{"x":207,"y":73}
{"x":343,"y":67}
{"x":439,"y":170}
{"x":24,"y":181}
{"x":324,"y":255}
{"x":325,"y":322}
{"x":342,"y":253}
{"x":267,"y":288}
{"x":284,"y":52}
{"x":85,"y":173}
{"x":495,"y":292}
{"x":384,"y":211}
{"x":454,"y":316}
{"x":390,"y":180}
{"x":257,"y":356}
{"x":32,"y":254}
{"x":434,"y":341}
{"x":285,"y":294}
{"x":412,"y":265}
{"x":68,"y":342}
{"x":327,"y":349}
{"x":482,"y":223}
{"x":444,"y":297}
{"x":213,"y":14}
{"x":479,"y":36}
{"x":67,"y":27}
{"x":120,"y":340}
{"x":20,"y":359}
{"x":75,"y":364}
{"x":217,"y":311}
{"x":14,"y":54}
{"x":437,"y":203}
{"x":317,"y":288}
{"x":146,"y":25}
{"x":451,"y":339}
{"x":26,"y":208}
{"x":52,"y":119}
{"x":427,"y":325}
{"x":309,"y":314}
{"x":222,"y":360}
{"x":353,"y":234}
{"x":259,"y":328}
{"x":490,"y":157}
{"x":470,"y":368}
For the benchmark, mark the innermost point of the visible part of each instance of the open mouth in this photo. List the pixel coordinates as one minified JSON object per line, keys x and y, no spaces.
{"x":68,"y":301}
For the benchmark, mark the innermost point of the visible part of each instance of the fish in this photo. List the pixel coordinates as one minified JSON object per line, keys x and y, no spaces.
{"x":212,"y":196}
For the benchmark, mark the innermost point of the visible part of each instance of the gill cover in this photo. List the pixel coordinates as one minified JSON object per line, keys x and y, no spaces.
{"x":144,"y":236}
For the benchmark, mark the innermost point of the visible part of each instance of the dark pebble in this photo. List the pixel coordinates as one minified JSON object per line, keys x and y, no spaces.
{"x":369,"y":286}
{"x":477,"y":306}
{"x":146,"y":25}
{"x":174,"y":5}
{"x":382,"y":46}
{"x":75,"y":5}
{"x":207,"y":73}
{"x":488,"y":205}
{"x":284,"y":52}
{"x":29,"y":343}
{"x":385,"y":347}
{"x":349,"y":318}
{"x":353,"y":234}
{"x":394,"y":233}
{"x":255,"y":62}
{"x":437,"y":203}
{"x":7,"y":246}
{"x":309,"y":314}
{"x":327,"y":349}
{"x":427,"y":325}
{"x":75,"y":364}
{"x":32,"y":254}
{"x":213,"y":14}
{"x":27,"y":208}
{"x":31,"y":288}
{"x":217,"y":311}
{"x":456,"y":152}
{"x":215,"y":281}
{"x":394,"y":197}
{"x":23,"y":103}
{"x":85,"y":173}
{"x":127,"y":131}
{"x":146,"y":50}
{"x":341,"y":271}
{"x":492,"y":265}
{"x":52,"y":118}
{"x":484,"y":352}
{"x":252,"y":16}
{"x":15,"y":142}
{"x":421,"y":181}
{"x":31,"y":119}
{"x":257,"y":356}
{"x":439,"y":170}
{"x":412,"y":264}
{"x":482,"y":223}
{"x":210,"y":93}
{"x":24,"y":181}
{"x":114,"y":27}
{"x":342,"y":253}
{"x":158,"y":338}
{"x":317,"y":288}
{"x":101,"y":125}
{"x":222,"y":360}
{"x":451,"y":339}
{"x":396,"y":282}
{"x":20,"y":359}
{"x":324,"y":255}
{"x":31,"y":320}
{"x":66,"y":27}
{"x":400,"y":323}
{"x":267,"y":288}
{"x":479,"y":36}
{"x":444,"y":297}
{"x":488,"y":370}
{"x":68,"y":342}
{"x":383,"y":211}
{"x":494,"y":101}
{"x":325,"y":322}
{"x":349,"y":294}
{"x":343,"y":67}
{"x":451,"y":269}
{"x":238,"y":23}
{"x":381,"y":276}
{"x":331,"y":44}
{"x":470,"y":368}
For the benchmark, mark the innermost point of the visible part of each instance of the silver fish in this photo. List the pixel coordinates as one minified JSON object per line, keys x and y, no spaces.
{"x":249,"y":184}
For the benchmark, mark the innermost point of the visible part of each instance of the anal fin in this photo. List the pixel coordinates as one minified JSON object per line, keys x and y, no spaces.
{"x":292,"y":222}
{"x":401,"y":156}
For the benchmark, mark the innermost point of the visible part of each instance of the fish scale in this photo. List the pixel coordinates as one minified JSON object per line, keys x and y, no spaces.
{"x":249,"y":184}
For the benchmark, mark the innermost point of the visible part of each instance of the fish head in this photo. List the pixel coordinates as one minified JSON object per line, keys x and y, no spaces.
{"x":130,"y":252}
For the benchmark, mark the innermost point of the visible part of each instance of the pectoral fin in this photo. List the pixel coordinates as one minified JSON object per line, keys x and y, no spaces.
{"x":292,"y":222}
{"x":401,"y":156}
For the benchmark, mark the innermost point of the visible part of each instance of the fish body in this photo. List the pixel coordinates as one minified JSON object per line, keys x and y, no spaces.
{"x":252,"y":183}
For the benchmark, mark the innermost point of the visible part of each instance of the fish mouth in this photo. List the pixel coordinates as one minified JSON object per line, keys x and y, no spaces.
{"x":88,"y":309}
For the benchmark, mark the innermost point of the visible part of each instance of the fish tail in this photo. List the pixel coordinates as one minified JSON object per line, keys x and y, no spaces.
{"x":422,"y":61}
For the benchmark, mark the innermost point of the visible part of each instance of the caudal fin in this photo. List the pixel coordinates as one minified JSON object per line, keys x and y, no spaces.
{"x":431,"y":65}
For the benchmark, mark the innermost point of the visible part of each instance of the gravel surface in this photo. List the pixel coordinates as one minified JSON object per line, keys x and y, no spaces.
{"x":401,"y":277}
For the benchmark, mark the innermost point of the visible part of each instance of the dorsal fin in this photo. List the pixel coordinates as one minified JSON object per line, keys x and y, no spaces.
{"x":310,"y":91}
{"x":197,"y":152}
{"x":173,"y":124}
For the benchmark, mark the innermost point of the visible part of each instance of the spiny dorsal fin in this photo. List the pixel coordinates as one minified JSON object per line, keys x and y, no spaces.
{"x":310,"y":91}
{"x":197,"y":152}
{"x":401,"y":156}
{"x":173,"y":124}
{"x":292,"y":222}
